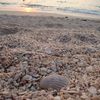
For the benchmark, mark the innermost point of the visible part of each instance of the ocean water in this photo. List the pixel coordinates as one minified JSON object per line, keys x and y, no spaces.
{"x":91,"y":7}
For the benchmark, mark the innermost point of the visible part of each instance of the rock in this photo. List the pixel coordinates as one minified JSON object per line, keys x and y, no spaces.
{"x":54,"y":93}
{"x":84,"y":20}
{"x":64,"y":38}
{"x":24,"y":65}
{"x":27,"y":77}
{"x":92,"y":90}
{"x":18,"y":76}
{"x":97,"y":83}
{"x":66,"y":17}
{"x":57,"y":98}
{"x":48,"y":51}
{"x":15,"y":83}
{"x":75,"y":60}
{"x":81,"y":63}
{"x":95,"y":97}
{"x":12,"y":68}
{"x":50,"y":97}
{"x":98,"y":46}
{"x":49,"y":71}
{"x":8,"y":30}
{"x":84,"y":96}
{"x":43,"y":71}
{"x":89,"y":69}
{"x":53,"y":81}
{"x":90,"y":50}
{"x":87,"y":38}
{"x":98,"y":29}
{"x":34,"y":75}
{"x":53,"y":68}
{"x":99,"y":91}
{"x":70,"y":98}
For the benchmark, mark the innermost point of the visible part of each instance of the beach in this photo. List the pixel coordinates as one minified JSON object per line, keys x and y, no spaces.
{"x":36,"y":45}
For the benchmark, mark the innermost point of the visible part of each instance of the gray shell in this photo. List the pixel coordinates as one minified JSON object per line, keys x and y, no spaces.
{"x":53,"y":81}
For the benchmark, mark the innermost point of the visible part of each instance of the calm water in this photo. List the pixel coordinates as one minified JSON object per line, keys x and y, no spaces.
{"x":91,"y":7}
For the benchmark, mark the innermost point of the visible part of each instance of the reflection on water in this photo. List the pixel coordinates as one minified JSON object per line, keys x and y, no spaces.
{"x":72,"y":6}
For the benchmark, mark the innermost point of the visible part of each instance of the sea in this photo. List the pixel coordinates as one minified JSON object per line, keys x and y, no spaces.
{"x":90,"y":7}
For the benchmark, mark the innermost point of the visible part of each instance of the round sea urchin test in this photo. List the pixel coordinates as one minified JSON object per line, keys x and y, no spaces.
{"x":53,"y":81}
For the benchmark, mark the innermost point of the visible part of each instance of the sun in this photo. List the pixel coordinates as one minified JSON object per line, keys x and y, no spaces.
{"x":28,"y":10}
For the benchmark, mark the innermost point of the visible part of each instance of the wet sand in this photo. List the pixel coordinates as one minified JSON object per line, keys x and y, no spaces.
{"x":32,"y":47}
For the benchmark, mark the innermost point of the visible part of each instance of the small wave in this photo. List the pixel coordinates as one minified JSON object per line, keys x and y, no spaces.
{"x":74,"y":10}
{"x":33,"y":5}
{"x":98,"y":6}
{"x":7,"y":3}
{"x":38,"y":6}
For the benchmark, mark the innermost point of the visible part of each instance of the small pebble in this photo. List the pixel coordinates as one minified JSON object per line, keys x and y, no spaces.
{"x":92,"y":90}
{"x":89,"y":69}
{"x":54,"y":93}
{"x":27,"y":77}
{"x":70,"y":98}
{"x":97,"y":83}
{"x":84,"y":96}
{"x":57,"y":98}
{"x":48,"y":51}
{"x":53,"y":68}
{"x":96,"y":97}
{"x":43,"y":71}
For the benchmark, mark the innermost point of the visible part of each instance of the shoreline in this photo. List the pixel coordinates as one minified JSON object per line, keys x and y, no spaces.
{"x":44,"y":13}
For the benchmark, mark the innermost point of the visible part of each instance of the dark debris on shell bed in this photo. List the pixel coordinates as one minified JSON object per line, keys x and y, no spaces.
{"x":8,"y":30}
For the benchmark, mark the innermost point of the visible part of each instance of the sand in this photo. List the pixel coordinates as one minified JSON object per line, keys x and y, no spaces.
{"x":32,"y":47}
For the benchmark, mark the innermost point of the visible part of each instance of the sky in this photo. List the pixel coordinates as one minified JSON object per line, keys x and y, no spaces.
{"x":78,"y":2}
